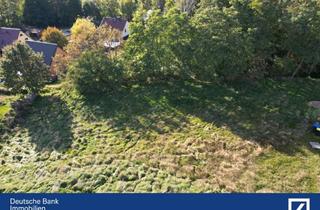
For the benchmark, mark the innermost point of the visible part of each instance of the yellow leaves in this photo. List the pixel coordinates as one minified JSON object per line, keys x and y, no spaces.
{"x":256,"y":5}
{"x":82,"y":28}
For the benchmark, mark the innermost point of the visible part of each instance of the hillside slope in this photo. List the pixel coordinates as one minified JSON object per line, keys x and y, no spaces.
{"x":173,"y":137}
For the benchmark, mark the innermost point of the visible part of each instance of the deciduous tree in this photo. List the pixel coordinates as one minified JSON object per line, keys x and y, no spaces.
{"x":54,"y":35}
{"x":23,"y":70}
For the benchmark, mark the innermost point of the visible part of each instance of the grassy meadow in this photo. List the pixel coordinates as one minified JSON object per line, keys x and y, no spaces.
{"x":166,"y":137}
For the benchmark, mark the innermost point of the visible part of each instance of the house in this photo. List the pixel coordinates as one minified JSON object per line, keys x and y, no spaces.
{"x":66,"y":32}
{"x":34,"y":33}
{"x":118,"y":24}
{"x":187,"y":5}
{"x":47,"y":49}
{"x":10,"y":35}
{"x":112,"y":45}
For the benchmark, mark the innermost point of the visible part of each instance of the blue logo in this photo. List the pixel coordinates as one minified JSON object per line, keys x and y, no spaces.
{"x":299,"y":204}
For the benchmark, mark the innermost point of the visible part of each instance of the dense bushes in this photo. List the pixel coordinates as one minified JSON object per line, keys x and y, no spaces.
{"x":95,"y":71}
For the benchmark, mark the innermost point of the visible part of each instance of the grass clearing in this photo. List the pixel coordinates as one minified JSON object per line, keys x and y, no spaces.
{"x":5,"y":101}
{"x":168,"y":137}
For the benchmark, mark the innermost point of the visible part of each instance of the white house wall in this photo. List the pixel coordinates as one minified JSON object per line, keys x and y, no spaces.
{"x":125,"y":31}
{"x":23,"y":37}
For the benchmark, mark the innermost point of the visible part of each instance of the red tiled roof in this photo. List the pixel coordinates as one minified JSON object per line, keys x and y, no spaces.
{"x":116,"y":23}
{"x":8,"y":36}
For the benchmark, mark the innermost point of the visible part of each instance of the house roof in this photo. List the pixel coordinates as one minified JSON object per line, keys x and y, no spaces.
{"x":116,"y":23}
{"x":8,"y":36}
{"x":48,"y":50}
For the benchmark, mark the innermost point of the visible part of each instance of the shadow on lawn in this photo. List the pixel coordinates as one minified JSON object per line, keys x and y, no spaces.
{"x":49,"y":124}
{"x":269,"y":113}
{"x":142,"y":109}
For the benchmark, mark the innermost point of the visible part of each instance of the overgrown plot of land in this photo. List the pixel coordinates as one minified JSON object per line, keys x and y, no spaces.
{"x":170,"y":137}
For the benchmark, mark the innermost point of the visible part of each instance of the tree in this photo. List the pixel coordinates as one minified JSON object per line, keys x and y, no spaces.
{"x":81,"y":30}
{"x":128,"y":8}
{"x":10,"y":13}
{"x":43,"y":13}
{"x":109,"y":8}
{"x":67,"y":11}
{"x":38,"y":13}
{"x":90,"y":9}
{"x":95,"y":71}
{"x":158,"y":46}
{"x":85,"y":37}
{"x":23,"y":70}
{"x":302,"y":40}
{"x":83,"y":27}
{"x":221,"y":47}
{"x":54,"y":35}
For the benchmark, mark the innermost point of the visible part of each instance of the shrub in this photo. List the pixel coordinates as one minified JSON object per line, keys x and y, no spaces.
{"x":54,"y":35}
{"x":23,"y":70}
{"x":95,"y":71}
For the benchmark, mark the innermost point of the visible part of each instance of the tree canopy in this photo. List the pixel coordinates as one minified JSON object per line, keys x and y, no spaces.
{"x":54,"y":35}
{"x":22,"y":69}
{"x":43,"y":13}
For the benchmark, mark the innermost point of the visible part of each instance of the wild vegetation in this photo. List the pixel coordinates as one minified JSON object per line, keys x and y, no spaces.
{"x":165,"y":137}
{"x":204,"y":96}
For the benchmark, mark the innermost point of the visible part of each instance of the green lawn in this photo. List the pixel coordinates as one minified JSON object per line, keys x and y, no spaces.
{"x":170,"y":137}
{"x":5,"y":101}
{"x":3,"y":110}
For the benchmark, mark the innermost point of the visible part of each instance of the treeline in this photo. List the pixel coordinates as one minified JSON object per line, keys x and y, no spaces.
{"x":215,"y":40}
{"x":43,"y":13}
{"x":219,"y":40}
{"x":227,"y":39}
{"x":63,"y":13}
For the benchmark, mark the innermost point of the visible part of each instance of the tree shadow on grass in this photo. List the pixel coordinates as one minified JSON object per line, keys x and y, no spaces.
{"x":140,"y":109}
{"x":268,"y":113}
{"x":49,"y":122}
